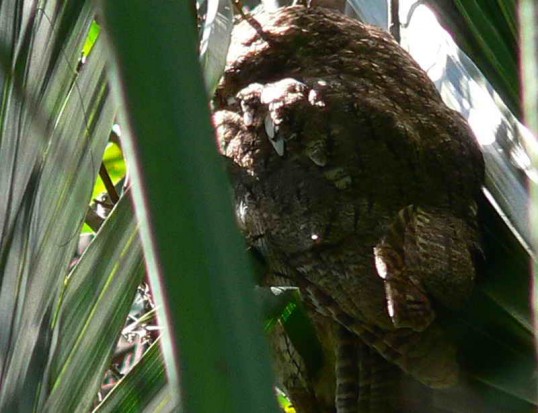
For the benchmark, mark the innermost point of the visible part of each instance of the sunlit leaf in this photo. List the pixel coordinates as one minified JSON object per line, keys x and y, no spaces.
{"x":216,"y":35}
{"x":115,"y":166}
{"x":93,"y":34}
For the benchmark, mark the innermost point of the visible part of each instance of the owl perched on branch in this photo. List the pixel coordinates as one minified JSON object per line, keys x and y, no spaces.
{"x":358,"y":185}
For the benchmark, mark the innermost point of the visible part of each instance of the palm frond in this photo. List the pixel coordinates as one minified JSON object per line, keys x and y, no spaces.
{"x":55,"y":121}
{"x":194,"y":253}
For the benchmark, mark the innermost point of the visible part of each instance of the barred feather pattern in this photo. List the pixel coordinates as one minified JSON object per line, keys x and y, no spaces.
{"x":347,"y":371}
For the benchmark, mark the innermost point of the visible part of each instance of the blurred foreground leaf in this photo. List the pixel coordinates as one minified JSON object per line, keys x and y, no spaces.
{"x":196,"y":260}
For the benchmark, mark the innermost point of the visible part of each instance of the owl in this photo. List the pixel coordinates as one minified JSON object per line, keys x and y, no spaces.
{"x":357,"y":185}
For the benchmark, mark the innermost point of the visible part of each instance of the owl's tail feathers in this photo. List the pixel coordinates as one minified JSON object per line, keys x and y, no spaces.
{"x":379,"y":390}
{"x":365,"y":382}
{"x":427,"y":356}
{"x":346,"y":369}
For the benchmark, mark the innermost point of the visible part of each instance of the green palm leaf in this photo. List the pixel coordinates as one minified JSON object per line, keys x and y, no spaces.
{"x":144,"y":389}
{"x":99,"y":294}
{"x":46,"y":176}
{"x":196,"y":259}
{"x":55,"y":123}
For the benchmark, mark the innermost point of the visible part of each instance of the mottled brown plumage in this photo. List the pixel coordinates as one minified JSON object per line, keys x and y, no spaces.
{"x":354,"y":180}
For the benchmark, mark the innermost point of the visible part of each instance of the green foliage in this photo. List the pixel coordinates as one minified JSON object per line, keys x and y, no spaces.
{"x":115,"y":165}
{"x":93,"y":34}
{"x":144,"y":389}
{"x":528,"y":16}
{"x":60,"y":321}
{"x":55,"y":118}
{"x":197,"y":262}
{"x":99,"y":293}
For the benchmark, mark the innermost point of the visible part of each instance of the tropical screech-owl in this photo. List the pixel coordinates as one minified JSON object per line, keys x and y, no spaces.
{"x":355,"y":182}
